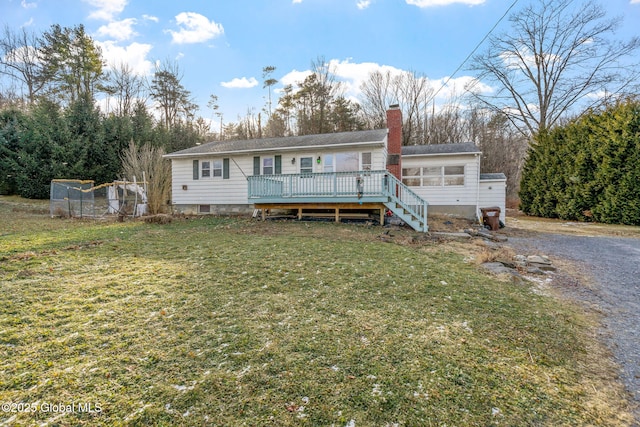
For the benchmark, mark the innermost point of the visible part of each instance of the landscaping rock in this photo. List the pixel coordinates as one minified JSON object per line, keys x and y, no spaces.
{"x":534,"y":270}
{"x":485,"y":234}
{"x":499,"y":268}
{"x":537,"y":259}
{"x":540,"y":262}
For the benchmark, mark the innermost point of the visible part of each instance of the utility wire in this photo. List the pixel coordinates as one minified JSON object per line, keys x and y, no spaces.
{"x":473,"y":51}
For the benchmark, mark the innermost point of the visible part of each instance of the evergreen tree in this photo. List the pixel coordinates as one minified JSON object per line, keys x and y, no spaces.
{"x":588,"y":169}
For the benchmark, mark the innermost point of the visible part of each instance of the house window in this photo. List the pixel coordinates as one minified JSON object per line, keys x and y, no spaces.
{"x":411,"y":177}
{"x":436,"y":176}
{"x":366,"y":161}
{"x":267,"y":166}
{"x":205,"y":171}
{"x":328,"y":163}
{"x":453,"y":175}
{"x":217,"y":168}
{"x":432,"y":176}
{"x":306,"y":164}
{"x":347,"y":162}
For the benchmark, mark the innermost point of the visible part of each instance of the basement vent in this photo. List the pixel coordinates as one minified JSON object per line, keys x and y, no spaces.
{"x":204,"y":209}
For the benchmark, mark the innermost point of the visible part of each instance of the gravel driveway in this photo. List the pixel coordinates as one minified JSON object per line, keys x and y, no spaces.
{"x":613,"y":264}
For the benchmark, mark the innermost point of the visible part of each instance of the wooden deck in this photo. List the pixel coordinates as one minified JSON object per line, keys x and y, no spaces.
{"x":340,"y":210}
{"x":339,"y":192}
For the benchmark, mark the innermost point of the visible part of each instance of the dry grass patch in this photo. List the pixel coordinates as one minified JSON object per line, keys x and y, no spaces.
{"x":522,"y":223}
{"x":232,"y":322}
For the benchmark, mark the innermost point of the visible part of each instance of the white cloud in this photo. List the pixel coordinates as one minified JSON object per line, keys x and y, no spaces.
{"x":456,"y":87}
{"x":525,"y":57}
{"x":119,"y":30}
{"x":431,"y":3}
{"x":600,"y":94}
{"x":28,"y":5}
{"x":294,"y":77}
{"x":106,"y":9}
{"x":150,"y":18}
{"x":135,"y":55}
{"x":363,"y":4}
{"x":352,"y":75}
{"x":296,"y":1}
{"x":242,"y":83}
{"x":195,"y":28}
{"x":28,"y":23}
{"x":635,"y":1}
{"x":19,"y":55}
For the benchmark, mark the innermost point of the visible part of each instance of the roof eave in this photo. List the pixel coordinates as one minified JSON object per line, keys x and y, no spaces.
{"x":263,"y":150}
{"x":459,"y":153}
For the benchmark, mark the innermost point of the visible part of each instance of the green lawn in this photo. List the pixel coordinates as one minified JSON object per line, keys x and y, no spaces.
{"x":231,"y":322}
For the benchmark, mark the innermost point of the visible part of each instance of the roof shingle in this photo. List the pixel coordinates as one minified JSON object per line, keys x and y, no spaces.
{"x":458,"y":148}
{"x":268,"y":144}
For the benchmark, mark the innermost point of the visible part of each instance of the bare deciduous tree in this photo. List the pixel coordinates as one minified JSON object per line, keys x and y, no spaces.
{"x":408,"y":89}
{"x":556,"y":53}
{"x":378,"y":93}
{"x":19,"y":60}
{"x":173,"y":99}
{"x":157,"y":171}
{"x":125,"y":86}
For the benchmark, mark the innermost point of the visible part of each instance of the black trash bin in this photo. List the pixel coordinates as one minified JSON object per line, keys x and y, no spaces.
{"x":491,"y":217}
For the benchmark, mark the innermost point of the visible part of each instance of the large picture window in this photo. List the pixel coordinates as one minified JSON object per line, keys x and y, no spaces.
{"x":434,"y":176}
{"x":347,"y":162}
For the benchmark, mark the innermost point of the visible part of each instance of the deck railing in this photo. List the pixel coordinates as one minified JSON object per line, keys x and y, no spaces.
{"x":359,"y":186}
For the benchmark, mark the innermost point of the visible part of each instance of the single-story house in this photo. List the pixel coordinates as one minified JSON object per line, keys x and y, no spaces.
{"x":340,"y":171}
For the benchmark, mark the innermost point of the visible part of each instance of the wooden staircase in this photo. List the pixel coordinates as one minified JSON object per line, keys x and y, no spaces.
{"x":406,"y":204}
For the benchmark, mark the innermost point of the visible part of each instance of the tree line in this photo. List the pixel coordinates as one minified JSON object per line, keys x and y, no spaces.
{"x":552,"y":64}
{"x":587,"y":169}
{"x":49,"y":114}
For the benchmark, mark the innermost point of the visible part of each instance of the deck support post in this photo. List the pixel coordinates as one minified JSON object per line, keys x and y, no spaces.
{"x":337,"y":214}
{"x":264,"y":214}
{"x":381,"y":216}
{"x":300,"y":214}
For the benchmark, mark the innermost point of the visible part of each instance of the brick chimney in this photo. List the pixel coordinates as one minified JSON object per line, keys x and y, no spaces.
{"x":394,"y":141}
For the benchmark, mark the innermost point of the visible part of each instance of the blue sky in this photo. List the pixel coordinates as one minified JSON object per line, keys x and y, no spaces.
{"x":221,"y":46}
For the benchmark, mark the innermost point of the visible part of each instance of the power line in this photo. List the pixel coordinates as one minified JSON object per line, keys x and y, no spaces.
{"x":473,"y":51}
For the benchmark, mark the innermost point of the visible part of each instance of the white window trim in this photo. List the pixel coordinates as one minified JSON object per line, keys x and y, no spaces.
{"x":335,"y":160}
{"x":203,"y":169}
{"x":441,"y":176}
{"x":310,"y":167}
{"x":273,"y":165}
{"x":362,"y":160}
{"x":212,"y":169}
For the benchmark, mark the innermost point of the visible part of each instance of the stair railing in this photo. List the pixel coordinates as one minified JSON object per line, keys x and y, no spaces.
{"x":404,"y":197}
